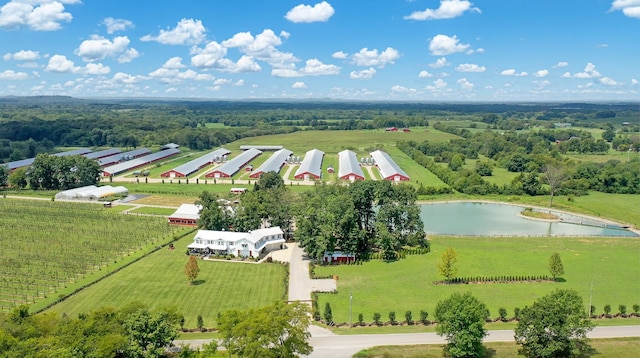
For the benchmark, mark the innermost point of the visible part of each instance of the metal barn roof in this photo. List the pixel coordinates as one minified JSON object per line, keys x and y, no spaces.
{"x":261,"y":147}
{"x":274,"y":163}
{"x":123,"y":156}
{"x":348,"y":164}
{"x":102,"y":153}
{"x":312,"y":163}
{"x":187,"y":211}
{"x":388,"y":168}
{"x":232,"y":166}
{"x":79,"y":151}
{"x":138,"y":162}
{"x":194,"y":165}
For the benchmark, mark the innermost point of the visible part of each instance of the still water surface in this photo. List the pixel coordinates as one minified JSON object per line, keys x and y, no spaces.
{"x":495,"y":219}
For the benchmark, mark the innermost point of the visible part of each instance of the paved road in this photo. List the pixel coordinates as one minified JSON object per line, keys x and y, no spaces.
{"x":300,"y":284}
{"x":326,"y":344}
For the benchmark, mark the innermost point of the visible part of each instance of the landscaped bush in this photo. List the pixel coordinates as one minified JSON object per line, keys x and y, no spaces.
{"x":607,"y":310}
{"x":376,"y":318}
{"x":408,"y":317}
{"x":392,"y":317}
{"x":423,"y":317}
{"x":503,"y":314}
{"x":623,"y":310}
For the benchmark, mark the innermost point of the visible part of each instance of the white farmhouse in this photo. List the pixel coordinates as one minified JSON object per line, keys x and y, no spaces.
{"x":246,"y":244}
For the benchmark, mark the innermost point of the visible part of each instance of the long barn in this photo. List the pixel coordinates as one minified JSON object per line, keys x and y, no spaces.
{"x":311,"y":167}
{"x":231,"y":167}
{"x":273,"y":164}
{"x":349,"y":168}
{"x":122,"y":157}
{"x":388,"y":168}
{"x":138,"y":162}
{"x":193,"y":166}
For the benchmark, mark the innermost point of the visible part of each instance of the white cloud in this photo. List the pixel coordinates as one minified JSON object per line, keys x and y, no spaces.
{"x":174,"y":63}
{"x":186,"y":32}
{"x":512,"y":72}
{"x":313,"y":67}
{"x":299,"y":85}
{"x":589,"y":72}
{"x":448,"y":9}
{"x":13,"y":76}
{"x":319,"y":12}
{"x":239,"y":83}
{"x":60,"y":64}
{"x":22,"y":55}
{"x":368,"y":57}
{"x":340,"y":55}
{"x":99,"y":48}
{"x":96,"y":69}
{"x":125,"y":78}
{"x":424,"y":74}
{"x":441,"y":62}
{"x":561,"y":64}
{"x":262,"y":47}
{"x":363,"y":75}
{"x":212,"y":53}
{"x":440,"y":83}
{"x":608,"y":81}
{"x":630,"y":8}
{"x":634,"y":82}
{"x":402,"y":89}
{"x":470,"y":67}
{"x":38,"y":15}
{"x":115,"y":25}
{"x":222,"y":81}
{"x":464,"y":83}
{"x":542,"y":84}
{"x":541,"y":73}
{"x":445,"y":45}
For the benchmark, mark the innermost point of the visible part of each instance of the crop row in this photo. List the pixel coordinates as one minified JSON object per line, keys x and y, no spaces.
{"x":46,"y":245}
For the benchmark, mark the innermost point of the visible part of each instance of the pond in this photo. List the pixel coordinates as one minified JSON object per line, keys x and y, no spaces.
{"x":498,"y":219}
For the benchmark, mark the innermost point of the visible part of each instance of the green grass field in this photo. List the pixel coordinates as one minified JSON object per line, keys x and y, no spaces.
{"x":611,"y":264}
{"x":158,"y":280}
{"x":150,"y":210}
{"x":615,"y":347}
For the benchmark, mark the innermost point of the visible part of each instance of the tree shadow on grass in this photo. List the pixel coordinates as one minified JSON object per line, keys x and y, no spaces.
{"x":198,"y":282}
{"x":560,"y":280}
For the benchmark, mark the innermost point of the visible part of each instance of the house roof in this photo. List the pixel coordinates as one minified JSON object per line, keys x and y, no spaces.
{"x":233,"y":165}
{"x":232,"y":236}
{"x":134,"y":163}
{"x":312,"y":163}
{"x":348,"y":164}
{"x":187,"y":211}
{"x":388,"y":168}
{"x":194,"y":165}
{"x":274,"y":163}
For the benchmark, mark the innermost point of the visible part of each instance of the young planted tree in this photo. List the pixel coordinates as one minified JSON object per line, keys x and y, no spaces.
{"x":408,"y":317}
{"x":392,"y":317}
{"x":556,"y":325}
{"x":376,"y":318}
{"x":555,"y":265}
{"x":446,"y":267}
{"x":607,"y":310}
{"x":423,"y":317}
{"x":328,"y":315}
{"x":191,"y":270}
{"x":461,"y":321}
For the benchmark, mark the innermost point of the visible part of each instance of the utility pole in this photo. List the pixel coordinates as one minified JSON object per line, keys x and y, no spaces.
{"x":350,"y":306}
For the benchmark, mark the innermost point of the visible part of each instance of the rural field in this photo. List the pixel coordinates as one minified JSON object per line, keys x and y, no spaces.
{"x":47,"y":246}
{"x":611,"y":264}
{"x":158,"y":280}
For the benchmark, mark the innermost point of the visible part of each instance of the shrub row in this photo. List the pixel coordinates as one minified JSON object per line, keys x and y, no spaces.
{"x":494,"y":279}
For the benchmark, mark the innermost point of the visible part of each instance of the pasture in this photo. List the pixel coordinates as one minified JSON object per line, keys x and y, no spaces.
{"x":158,"y":280}
{"x":46,"y":246}
{"x":610,"y":264}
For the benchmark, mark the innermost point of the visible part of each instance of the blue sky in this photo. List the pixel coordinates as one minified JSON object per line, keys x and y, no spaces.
{"x":415,"y":50}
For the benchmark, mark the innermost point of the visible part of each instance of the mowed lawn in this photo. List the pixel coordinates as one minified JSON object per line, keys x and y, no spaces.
{"x":611,"y":264}
{"x":159,"y":281}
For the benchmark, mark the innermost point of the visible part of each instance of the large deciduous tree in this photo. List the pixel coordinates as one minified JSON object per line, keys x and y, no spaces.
{"x":49,"y":172}
{"x":461,"y":321}
{"x":554,"y":176}
{"x":149,"y":333}
{"x":556,"y":325}
{"x":276,"y":331}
